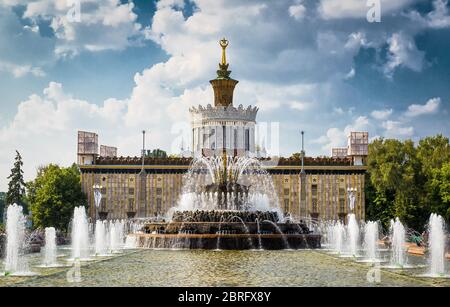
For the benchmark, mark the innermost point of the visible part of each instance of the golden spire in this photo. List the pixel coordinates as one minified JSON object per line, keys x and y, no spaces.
{"x":223,"y":85}
{"x":223,"y":43}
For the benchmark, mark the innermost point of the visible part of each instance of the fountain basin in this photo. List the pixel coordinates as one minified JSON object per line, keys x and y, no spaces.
{"x":228,"y":241}
{"x":214,"y":227}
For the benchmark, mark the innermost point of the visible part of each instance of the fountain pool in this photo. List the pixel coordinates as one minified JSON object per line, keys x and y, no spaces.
{"x":227,"y":268}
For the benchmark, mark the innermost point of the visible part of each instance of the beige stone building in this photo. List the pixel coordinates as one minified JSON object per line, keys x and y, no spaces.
{"x":321,"y":192}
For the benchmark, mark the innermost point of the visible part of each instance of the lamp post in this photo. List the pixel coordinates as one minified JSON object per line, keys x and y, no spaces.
{"x":97,"y":198}
{"x":302,"y":153}
{"x":352,"y":198}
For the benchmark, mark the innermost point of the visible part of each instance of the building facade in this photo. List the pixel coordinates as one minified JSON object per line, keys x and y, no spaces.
{"x":139,"y":188}
{"x":320,"y":192}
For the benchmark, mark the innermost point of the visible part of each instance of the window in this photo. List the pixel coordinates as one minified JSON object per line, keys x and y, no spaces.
{"x":314,"y":205}
{"x":314,"y":190}
{"x":198,"y":139}
{"x":131,"y":191}
{"x":158,"y":191}
{"x":286,"y":205}
{"x":224,"y":137}
{"x":205,"y":138}
{"x":158,"y":204}
{"x":130,"y":204}
{"x":103,"y":204}
{"x":286,"y":192}
{"x":341,"y":205}
{"x":212,"y":137}
{"x":247,"y":140}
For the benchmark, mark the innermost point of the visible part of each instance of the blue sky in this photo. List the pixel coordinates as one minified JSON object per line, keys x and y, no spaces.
{"x":124,"y":66}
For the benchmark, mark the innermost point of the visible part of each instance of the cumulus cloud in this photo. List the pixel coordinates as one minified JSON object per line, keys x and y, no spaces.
{"x":44,"y":128}
{"x":21,"y":70}
{"x":438,"y":18}
{"x":403,"y":52}
{"x":336,"y":137}
{"x":336,"y":9}
{"x":396,"y":129}
{"x":297,"y":10}
{"x":430,"y":107}
{"x":350,"y":74}
{"x":381,"y":114}
{"x":299,"y":105}
{"x":45,"y":125}
{"x":98,"y":25}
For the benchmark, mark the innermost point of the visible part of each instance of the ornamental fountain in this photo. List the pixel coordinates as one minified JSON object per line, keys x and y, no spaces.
{"x":228,"y":199}
{"x":227,"y":203}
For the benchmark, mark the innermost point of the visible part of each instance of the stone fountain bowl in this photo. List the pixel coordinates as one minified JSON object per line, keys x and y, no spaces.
{"x":239,"y":230}
{"x":225,"y":216}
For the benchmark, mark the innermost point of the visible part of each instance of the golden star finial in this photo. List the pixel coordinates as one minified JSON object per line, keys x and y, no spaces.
{"x":223,"y":43}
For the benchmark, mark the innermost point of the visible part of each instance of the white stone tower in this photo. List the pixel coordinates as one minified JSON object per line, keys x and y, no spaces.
{"x":223,"y":127}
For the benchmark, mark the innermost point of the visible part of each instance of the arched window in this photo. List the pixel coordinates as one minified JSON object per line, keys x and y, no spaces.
{"x":247,"y":139}
{"x":224,"y":136}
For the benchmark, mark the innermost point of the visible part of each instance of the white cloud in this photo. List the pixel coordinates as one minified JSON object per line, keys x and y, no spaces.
{"x":336,"y":9}
{"x":105,"y":24}
{"x":299,"y":105}
{"x":336,"y":137}
{"x":297,"y":10}
{"x":403,"y":52}
{"x":381,"y":114}
{"x":438,"y":18}
{"x":430,"y":107}
{"x":395,"y":129}
{"x":338,"y":110}
{"x":19,"y":71}
{"x":350,"y":74}
{"x":45,"y":125}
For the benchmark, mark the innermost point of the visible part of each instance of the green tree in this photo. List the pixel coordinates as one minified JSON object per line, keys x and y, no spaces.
{"x":440,"y":191}
{"x":395,"y":185}
{"x":54,"y":194}
{"x":296,"y":155}
{"x":16,"y":185}
{"x":156,"y":153}
{"x":433,"y":152}
{"x":2,"y":205}
{"x":407,"y":181}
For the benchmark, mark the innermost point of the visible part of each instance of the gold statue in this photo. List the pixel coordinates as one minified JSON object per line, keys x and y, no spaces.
{"x":223,"y":43}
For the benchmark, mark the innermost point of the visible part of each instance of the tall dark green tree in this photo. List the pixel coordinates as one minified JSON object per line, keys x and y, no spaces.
{"x":2,"y":205}
{"x":54,"y":194}
{"x":16,"y":185}
{"x":440,"y":191}
{"x":434,"y":154}
{"x":408,"y":181}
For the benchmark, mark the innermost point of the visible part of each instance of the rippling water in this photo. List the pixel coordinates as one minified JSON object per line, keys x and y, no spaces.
{"x":222,"y":268}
